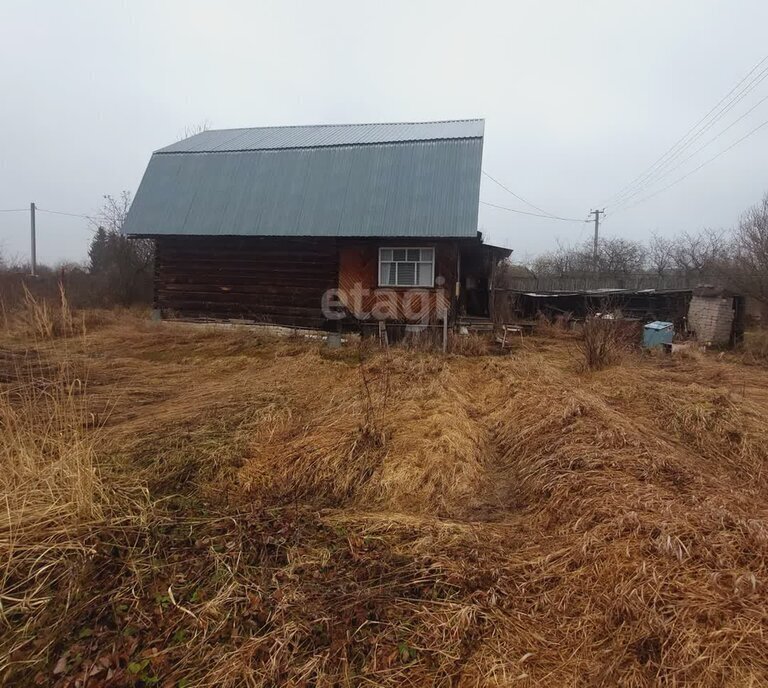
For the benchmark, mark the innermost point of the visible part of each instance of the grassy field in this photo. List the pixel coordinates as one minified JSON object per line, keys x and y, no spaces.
{"x":213,"y":507}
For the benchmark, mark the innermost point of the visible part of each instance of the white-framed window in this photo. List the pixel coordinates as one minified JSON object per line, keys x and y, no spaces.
{"x":406,"y":267}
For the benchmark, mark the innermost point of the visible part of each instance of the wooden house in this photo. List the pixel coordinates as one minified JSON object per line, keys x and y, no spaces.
{"x":308,"y":225}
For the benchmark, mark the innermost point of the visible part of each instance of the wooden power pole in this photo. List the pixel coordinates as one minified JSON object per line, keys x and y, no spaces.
{"x":597,"y":214}
{"x":33,"y":241}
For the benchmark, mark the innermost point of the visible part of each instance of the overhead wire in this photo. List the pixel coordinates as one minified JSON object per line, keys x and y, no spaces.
{"x":517,"y":196}
{"x":660,"y":173}
{"x":681,"y":144}
{"x":666,"y":174}
{"x":61,"y":212}
{"x":525,"y":212}
{"x":541,"y":213}
{"x":649,"y":169}
{"x":696,"y":169}
{"x":90,"y":218}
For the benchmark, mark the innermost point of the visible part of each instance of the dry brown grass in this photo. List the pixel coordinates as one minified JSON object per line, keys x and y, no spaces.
{"x":216,"y":507}
{"x":472,"y":344}
{"x":57,"y":505}
{"x":755,"y":347}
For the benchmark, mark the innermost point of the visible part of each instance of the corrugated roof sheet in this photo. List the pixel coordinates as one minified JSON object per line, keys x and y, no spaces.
{"x":269,"y":138}
{"x":423,"y":186}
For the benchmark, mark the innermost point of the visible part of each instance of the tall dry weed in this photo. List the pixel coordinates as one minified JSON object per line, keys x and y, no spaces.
{"x":42,"y":319}
{"x":55,"y":500}
{"x":601,"y":343}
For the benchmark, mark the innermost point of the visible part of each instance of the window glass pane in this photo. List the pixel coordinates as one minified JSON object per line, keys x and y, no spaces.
{"x":426,"y":253}
{"x":413,"y":254}
{"x":387,"y":273}
{"x":385,"y":255}
{"x":398,"y":254}
{"x":424,"y":275}
{"x":406,"y":274}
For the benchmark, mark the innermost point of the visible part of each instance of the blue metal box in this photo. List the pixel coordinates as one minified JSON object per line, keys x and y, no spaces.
{"x":658,"y":333}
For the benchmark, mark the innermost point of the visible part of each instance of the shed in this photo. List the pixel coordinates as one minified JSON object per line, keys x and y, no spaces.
{"x":716,"y":316}
{"x":308,"y":225}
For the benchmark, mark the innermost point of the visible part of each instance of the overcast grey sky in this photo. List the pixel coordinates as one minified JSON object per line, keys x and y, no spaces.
{"x":579,"y":98}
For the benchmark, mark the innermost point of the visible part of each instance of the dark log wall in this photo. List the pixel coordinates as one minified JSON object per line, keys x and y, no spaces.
{"x":278,"y":280}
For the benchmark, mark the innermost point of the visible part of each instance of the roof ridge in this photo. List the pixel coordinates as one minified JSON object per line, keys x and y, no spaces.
{"x":347,"y":124}
{"x":326,"y":135}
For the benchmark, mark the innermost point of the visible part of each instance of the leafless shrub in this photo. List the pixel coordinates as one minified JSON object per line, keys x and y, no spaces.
{"x":602,"y":341}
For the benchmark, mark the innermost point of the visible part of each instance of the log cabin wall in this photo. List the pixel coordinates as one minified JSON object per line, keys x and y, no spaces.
{"x":359,"y":269}
{"x":265,"y":279}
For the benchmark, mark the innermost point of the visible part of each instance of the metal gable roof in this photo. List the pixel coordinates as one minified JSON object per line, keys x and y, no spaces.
{"x":420,"y":180}
{"x":270,"y":138}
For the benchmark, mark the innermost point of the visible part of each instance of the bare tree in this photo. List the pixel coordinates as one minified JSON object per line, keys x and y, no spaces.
{"x":123,"y":265}
{"x":563,"y":261}
{"x":659,"y":255}
{"x":620,"y":257}
{"x":699,"y":255}
{"x":193,"y":129}
{"x":738,"y":259}
{"x":113,"y":212}
{"x":616,"y":257}
{"x":748,"y":264}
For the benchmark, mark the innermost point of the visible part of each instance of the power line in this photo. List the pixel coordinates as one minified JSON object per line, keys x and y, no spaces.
{"x":692,"y":155}
{"x":643,"y":176}
{"x":517,"y":196}
{"x":646,"y":173}
{"x":696,"y":169}
{"x":653,"y":177}
{"x":43,"y":210}
{"x":525,"y":212}
{"x":535,"y":207}
{"x":60,"y":212}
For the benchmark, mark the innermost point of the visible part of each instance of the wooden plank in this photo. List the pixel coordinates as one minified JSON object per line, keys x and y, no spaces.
{"x":252,"y":300}
{"x":231,"y":307}
{"x":276,"y":280}
{"x":256,"y":289}
{"x":226,"y":280}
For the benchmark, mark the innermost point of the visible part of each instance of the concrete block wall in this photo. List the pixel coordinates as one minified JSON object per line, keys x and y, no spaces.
{"x":711,"y":318}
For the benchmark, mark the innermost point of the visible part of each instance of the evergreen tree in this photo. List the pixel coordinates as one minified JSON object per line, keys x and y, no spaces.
{"x":99,"y":251}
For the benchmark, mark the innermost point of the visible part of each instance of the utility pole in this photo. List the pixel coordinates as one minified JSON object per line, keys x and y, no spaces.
{"x":33,"y":246}
{"x":597,"y":214}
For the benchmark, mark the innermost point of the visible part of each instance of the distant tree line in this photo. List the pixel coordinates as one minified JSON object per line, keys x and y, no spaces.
{"x":118,"y":271}
{"x":736,"y":259}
